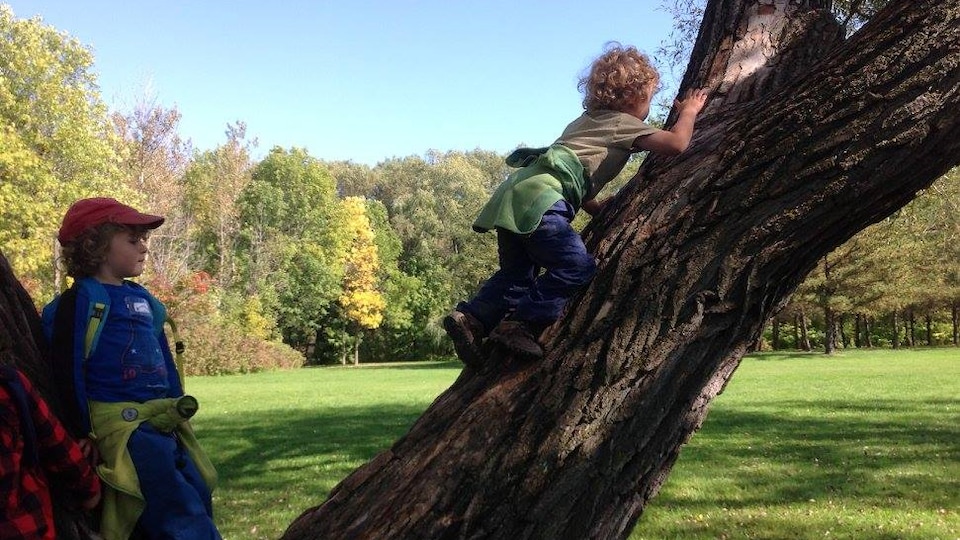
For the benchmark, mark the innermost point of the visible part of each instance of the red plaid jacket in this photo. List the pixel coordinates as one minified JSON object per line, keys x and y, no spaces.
{"x":27,"y":462}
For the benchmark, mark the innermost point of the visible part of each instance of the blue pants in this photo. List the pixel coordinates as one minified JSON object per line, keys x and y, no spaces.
{"x":519,"y":287}
{"x":178,"y":502}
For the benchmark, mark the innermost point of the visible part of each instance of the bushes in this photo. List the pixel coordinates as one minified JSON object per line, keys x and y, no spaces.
{"x":214,"y":348}
{"x":223,"y":334}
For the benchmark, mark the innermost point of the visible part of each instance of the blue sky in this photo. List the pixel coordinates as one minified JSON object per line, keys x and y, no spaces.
{"x":363,"y":80}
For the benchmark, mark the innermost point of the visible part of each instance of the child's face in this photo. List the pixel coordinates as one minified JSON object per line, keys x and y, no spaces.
{"x":125,"y":256}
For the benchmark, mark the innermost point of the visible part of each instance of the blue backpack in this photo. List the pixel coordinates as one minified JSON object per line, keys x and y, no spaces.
{"x":73,"y":343}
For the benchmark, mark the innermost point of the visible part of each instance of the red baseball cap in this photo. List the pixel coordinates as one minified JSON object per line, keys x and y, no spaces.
{"x":87,"y":213}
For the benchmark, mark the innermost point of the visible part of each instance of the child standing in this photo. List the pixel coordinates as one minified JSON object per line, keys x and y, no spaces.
{"x":116,"y":369}
{"x":532,"y":210}
{"x":35,"y":448}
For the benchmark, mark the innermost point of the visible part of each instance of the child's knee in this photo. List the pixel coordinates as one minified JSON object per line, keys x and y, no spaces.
{"x":581,"y":270}
{"x":589,"y":268}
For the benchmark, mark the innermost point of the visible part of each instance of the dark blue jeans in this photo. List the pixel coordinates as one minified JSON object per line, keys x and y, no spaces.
{"x":519,"y":287}
{"x":178,"y":502}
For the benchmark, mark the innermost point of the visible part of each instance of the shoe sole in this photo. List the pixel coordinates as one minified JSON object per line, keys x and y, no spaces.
{"x":469,"y":354}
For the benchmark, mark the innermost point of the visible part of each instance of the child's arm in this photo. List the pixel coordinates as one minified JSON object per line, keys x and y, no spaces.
{"x":676,"y":139}
{"x":594,"y":206}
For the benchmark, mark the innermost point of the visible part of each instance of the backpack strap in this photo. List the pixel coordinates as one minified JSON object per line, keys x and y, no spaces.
{"x":97,"y":310}
{"x":179,"y":347}
{"x":66,"y":342}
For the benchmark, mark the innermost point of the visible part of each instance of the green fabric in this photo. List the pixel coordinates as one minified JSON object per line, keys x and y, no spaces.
{"x":520,"y":201}
{"x":604,"y":141}
{"x":122,"y":499}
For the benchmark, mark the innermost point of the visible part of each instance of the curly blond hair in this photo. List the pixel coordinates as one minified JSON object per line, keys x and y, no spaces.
{"x":617,"y":79}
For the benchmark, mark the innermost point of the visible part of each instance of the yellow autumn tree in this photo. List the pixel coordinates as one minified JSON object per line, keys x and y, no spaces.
{"x":361,"y":300}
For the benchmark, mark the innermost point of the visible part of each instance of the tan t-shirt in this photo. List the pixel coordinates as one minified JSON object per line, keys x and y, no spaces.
{"x":603,"y":141}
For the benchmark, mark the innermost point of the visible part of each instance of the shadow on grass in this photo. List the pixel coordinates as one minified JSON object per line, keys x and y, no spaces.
{"x":419,"y":365}
{"x":885,"y":454}
{"x":265,"y":449}
{"x":899,"y":455}
{"x":855,"y":453}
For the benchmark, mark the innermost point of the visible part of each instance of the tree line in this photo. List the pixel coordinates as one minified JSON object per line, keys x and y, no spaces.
{"x":283,"y":259}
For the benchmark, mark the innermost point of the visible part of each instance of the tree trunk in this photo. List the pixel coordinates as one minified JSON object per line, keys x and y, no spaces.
{"x":829,"y":319}
{"x":775,"y":339}
{"x":867,"y":330}
{"x":911,"y":330}
{"x":857,"y":322}
{"x":830,"y":331}
{"x":928,"y":320}
{"x":356,"y":349}
{"x":955,"y":318}
{"x":841,"y":331}
{"x":805,"y":335}
{"x":796,"y":331}
{"x":694,"y":256}
{"x":896,"y":329}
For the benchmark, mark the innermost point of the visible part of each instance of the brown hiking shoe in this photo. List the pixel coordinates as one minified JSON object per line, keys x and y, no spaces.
{"x":466,"y":332}
{"x":519,"y":338}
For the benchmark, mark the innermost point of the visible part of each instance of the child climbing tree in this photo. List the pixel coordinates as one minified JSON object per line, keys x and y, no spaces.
{"x":809,"y":137}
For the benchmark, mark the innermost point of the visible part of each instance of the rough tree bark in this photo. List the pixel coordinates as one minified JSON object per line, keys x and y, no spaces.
{"x":808,"y":138}
{"x":21,"y":335}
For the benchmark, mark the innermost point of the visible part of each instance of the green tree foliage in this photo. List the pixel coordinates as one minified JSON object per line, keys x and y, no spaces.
{"x":399,"y":336}
{"x":55,"y":139}
{"x":431,"y":203}
{"x":908,"y":263}
{"x":292,"y":242}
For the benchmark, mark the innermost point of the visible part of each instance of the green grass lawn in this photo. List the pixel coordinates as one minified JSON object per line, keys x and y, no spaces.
{"x":862,"y":445}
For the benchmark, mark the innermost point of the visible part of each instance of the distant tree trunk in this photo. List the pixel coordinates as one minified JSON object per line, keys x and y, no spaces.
{"x":694,"y":257}
{"x":896,"y":329}
{"x":928,"y":320}
{"x":829,"y":317}
{"x":356,"y":349}
{"x":857,"y":321}
{"x":867,"y":331}
{"x":796,"y":331}
{"x":911,"y":328}
{"x":830,"y":334}
{"x":955,"y":317}
{"x":775,"y":331}
{"x":310,"y":349}
{"x":804,"y":343}
{"x":842,"y":332}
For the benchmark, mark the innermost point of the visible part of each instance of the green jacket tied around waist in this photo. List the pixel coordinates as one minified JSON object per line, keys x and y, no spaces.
{"x":113,"y":423}
{"x":518,"y":204}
